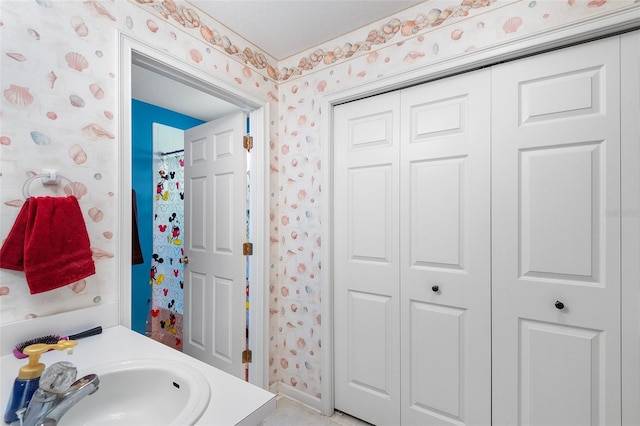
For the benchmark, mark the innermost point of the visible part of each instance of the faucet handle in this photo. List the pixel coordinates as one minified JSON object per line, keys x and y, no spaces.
{"x":58,"y":377}
{"x":90,"y":381}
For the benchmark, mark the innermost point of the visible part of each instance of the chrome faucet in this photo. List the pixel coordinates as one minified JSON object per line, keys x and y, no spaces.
{"x":47,"y":408}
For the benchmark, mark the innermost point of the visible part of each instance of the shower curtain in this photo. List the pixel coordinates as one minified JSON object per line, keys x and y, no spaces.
{"x":166,"y":276}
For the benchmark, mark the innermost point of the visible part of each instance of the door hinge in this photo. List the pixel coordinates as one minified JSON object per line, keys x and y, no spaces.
{"x":247,"y":249}
{"x":247,"y":142}
{"x":246,"y":356}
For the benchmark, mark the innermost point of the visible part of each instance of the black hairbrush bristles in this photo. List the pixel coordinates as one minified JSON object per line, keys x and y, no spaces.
{"x":48,"y":340}
{"x":52,"y":339}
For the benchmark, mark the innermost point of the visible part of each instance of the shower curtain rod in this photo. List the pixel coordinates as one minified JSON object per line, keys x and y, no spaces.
{"x":172,"y":152}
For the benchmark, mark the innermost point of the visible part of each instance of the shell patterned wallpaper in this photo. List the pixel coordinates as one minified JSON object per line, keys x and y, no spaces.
{"x":296,"y":299}
{"x":59,"y":110}
{"x":59,"y":88}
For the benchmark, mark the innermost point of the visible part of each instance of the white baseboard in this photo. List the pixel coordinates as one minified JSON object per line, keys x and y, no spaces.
{"x":290,"y":392}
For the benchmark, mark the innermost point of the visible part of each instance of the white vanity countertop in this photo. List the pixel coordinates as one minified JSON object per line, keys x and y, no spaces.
{"x":233,"y":401}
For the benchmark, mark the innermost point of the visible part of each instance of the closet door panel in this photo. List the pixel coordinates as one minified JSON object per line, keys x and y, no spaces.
{"x":369,"y":324}
{"x":369,"y":234}
{"x":573,"y":367}
{"x":443,"y":348}
{"x":559,"y":239}
{"x":445,"y":248}
{"x":556,"y":244}
{"x":441,"y":224}
{"x":366,"y":279}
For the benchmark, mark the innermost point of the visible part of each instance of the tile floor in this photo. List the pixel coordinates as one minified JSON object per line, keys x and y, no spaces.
{"x":291,"y":413}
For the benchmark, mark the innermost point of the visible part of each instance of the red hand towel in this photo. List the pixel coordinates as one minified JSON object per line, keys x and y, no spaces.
{"x":12,"y":251}
{"x":56,"y":245}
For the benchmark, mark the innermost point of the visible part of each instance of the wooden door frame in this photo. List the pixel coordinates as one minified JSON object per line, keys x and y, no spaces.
{"x":622,"y":20}
{"x":133,"y":51}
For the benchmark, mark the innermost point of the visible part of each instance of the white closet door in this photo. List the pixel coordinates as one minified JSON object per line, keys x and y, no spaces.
{"x":556,"y":238}
{"x":630,"y":215}
{"x":366,"y":287}
{"x":445,"y":252}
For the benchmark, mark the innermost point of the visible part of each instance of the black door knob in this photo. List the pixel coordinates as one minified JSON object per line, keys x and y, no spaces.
{"x":559,"y":304}
{"x":435,"y":288}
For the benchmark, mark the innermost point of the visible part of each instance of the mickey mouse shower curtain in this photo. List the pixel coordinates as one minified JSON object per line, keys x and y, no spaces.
{"x":166,"y":275}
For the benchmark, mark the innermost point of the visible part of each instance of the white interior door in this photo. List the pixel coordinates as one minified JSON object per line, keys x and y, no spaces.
{"x":556,"y":238}
{"x":366,"y":259}
{"x":445,"y":252}
{"x":215,"y":230}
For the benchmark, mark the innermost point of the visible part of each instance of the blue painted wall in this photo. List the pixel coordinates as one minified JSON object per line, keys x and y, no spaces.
{"x":143,"y":116}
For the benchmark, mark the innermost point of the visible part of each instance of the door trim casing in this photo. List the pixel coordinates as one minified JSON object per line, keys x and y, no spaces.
{"x":624,"y":19}
{"x":132,"y":50}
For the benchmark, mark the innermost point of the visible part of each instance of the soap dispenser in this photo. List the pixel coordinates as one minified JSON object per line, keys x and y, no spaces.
{"x":28,"y":379}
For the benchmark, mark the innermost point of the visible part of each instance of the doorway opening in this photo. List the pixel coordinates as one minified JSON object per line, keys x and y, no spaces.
{"x":134,"y":54}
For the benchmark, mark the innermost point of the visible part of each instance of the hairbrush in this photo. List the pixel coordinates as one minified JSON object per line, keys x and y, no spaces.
{"x":52,"y":339}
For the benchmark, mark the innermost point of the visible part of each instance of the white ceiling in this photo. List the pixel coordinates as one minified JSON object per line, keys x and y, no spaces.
{"x":281,"y":28}
{"x":156,"y":89}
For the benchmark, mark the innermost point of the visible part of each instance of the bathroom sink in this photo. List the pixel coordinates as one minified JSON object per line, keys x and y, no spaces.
{"x":142,"y":392}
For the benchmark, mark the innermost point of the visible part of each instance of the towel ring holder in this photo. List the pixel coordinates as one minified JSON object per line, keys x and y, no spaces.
{"x":48,"y":179}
